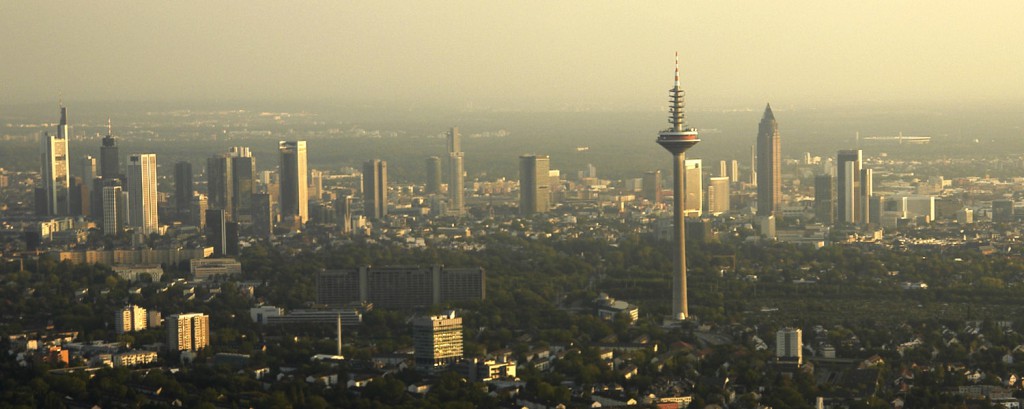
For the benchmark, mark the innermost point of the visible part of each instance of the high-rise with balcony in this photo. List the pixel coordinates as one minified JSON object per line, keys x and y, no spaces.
{"x":131,"y":318}
{"x":437,"y":341}
{"x":188,"y":332}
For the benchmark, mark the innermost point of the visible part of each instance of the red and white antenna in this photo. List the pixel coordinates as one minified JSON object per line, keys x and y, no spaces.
{"x":677,"y":69}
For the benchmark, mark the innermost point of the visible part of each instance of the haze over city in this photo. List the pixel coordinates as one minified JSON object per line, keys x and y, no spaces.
{"x":529,"y":55}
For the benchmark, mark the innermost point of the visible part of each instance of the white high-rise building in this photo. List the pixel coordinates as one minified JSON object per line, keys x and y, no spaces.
{"x":142,"y":194}
{"x":693,"y":185}
{"x":718,"y":195}
{"x":56,"y":178}
{"x":789,"y":345}
{"x":188,"y":332}
{"x":131,"y":318}
{"x":437,"y":341}
{"x":456,"y":188}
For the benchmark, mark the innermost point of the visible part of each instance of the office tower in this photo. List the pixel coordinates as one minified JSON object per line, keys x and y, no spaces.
{"x":243,"y":183}
{"x":220,"y":183}
{"x":789,"y":345}
{"x":262,"y":215}
{"x":849,"y":164}
{"x":769,"y":165}
{"x":652,"y":186}
{"x":723,"y":168}
{"x":78,"y":197}
{"x":1002,"y":211}
{"x":824,"y":199}
{"x":89,"y":168}
{"x":375,"y":189}
{"x":110,"y":159}
{"x":294,"y":197}
{"x":866,"y":190}
{"x":55,"y":172}
{"x":753,"y":165}
{"x":316,"y":185}
{"x":965,"y":216}
{"x":88,"y":176}
{"x":401,"y":287}
{"x":734,"y":171}
{"x":343,"y":218}
{"x":142,"y":192}
{"x":534,"y":184}
{"x":188,"y":332}
{"x":217,"y":232}
{"x":693,"y":184}
{"x":437,"y":341}
{"x":456,"y":191}
{"x":231,"y":248}
{"x":115,"y":210}
{"x":433,"y":185}
{"x":677,"y":139}
{"x":183,"y":190}
{"x":876,"y":209}
{"x":200,"y":204}
{"x":96,"y":199}
{"x":718,"y":195}
{"x":131,"y":318}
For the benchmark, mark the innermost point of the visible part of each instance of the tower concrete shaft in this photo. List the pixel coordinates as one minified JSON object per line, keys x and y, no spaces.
{"x":680,"y":304}
{"x":677,"y":139}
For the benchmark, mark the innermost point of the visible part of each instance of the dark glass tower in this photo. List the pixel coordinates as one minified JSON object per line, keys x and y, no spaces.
{"x":294,"y":180}
{"x":375,"y":189}
{"x":769,"y":165}
{"x":183,"y":188}
{"x":433,"y":175}
{"x":110,"y":161}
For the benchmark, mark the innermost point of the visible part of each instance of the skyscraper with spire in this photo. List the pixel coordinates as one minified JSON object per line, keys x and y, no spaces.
{"x":677,"y":139}
{"x":56,"y":178}
{"x":769,"y":165}
{"x":110,"y":161}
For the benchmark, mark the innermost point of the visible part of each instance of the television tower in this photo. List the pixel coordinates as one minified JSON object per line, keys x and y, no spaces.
{"x":677,"y":139}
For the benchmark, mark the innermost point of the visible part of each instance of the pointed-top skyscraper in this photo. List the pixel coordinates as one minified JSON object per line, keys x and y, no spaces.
{"x":677,"y":139}
{"x":769,"y":165}
{"x":56,"y":182}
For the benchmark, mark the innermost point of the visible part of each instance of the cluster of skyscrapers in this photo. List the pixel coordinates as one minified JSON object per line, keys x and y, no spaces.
{"x":120,"y":201}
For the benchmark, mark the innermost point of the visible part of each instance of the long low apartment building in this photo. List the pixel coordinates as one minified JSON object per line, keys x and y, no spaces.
{"x":401,"y":286}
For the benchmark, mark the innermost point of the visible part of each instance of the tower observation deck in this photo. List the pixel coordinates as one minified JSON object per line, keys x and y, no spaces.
{"x":677,"y":139}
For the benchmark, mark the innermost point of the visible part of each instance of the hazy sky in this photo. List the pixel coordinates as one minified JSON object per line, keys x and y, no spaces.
{"x":548,"y":54}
